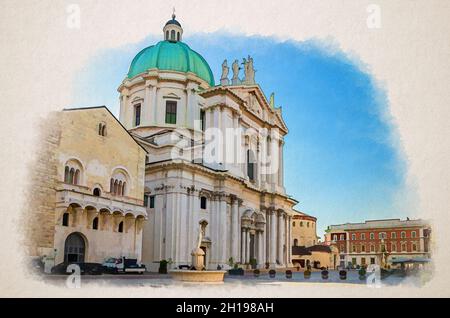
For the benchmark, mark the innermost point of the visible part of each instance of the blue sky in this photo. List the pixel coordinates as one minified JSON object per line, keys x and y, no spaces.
{"x":339,"y":159}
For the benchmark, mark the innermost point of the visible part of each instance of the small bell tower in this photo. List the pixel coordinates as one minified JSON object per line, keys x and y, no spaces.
{"x":173,"y":31}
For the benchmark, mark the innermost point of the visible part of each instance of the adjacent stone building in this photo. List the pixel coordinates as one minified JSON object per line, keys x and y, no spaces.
{"x":87,"y":189}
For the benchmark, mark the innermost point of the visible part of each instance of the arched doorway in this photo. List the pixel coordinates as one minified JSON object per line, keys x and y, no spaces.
{"x":74,"y":248}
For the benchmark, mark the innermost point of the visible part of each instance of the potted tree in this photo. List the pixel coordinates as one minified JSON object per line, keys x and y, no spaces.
{"x":163,"y":266}
{"x":288,"y":274}
{"x":324,"y":274}
{"x":256,"y":273}
{"x":362,"y":273}
{"x":236,"y":270}
{"x":253,"y":263}
{"x":272,"y":273}
{"x":307,"y":272}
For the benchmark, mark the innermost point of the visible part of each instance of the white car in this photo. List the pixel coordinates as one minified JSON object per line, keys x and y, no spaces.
{"x":123,"y":265}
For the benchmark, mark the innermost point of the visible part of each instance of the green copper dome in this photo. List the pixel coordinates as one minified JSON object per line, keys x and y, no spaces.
{"x":172,"y":56}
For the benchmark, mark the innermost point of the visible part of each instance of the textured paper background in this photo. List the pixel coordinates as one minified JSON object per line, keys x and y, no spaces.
{"x":409,"y":55}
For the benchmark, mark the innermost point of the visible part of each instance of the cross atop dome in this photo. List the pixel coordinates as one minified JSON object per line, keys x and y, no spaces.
{"x":173,"y":30}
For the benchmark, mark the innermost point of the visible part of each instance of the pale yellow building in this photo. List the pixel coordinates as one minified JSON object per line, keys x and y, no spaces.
{"x":306,"y":248}
{"x":87,"y":190}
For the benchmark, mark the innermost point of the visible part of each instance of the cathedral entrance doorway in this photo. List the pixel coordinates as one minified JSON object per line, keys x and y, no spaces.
{"x":74,"y":248}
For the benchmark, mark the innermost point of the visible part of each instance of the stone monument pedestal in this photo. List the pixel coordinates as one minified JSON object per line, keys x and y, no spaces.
{"x":198,"y":259}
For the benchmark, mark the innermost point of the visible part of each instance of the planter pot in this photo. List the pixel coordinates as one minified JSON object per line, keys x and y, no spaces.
{"x":307,"y":275}
{"x":325,"y":274}
{"x":343,"y":275}
{"x":288,"y":274}
{"x":236,"y":271}
{"x":256,"y":273}
{"x":272,"y":273}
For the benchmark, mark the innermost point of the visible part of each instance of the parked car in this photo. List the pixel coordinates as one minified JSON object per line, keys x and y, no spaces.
{"x":85,"y":268}
{"x":123,"y":265}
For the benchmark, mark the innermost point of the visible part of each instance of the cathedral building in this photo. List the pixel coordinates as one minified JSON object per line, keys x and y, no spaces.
{"x":186,"y":159}
{"x":215,"y":158}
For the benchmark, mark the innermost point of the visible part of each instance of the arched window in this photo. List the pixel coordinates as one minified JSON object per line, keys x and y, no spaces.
{"x":95,"y":223}
{"x":73,"y":172}
{"x":172,"y":35}
{"x":137,"y":114}
{"x":102,"y":129}
{"x":97,"y":192}
{"x":301,"y":224}
{"x":372,"y":236}
{"x":403,"y":234}
{"x":353,"y":237}
{"x":167,"y":35}
{"x":293,"y":224}
{"x":65,"y":220}
{"x":413,"y":234}
{"x":393,"y":235}
{"x":178,"y":36}
{"x":76,"y":177}
{"x":295,"y":242}
{"x":72,"y":176}
{"x":203,"y":203}
{"x":342,"y":237}
{"x":393,"y":247}
{"x":116,"y":187}
{"x":307,"y":224}
{"x":118,"y":183}
{"x":66,"y":174}
{"x":120,"y":229}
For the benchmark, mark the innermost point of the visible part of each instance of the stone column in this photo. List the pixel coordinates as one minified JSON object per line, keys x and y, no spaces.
{"x":223,"y":230}
{"x":234,"y":228}
{"x":290,"y":240}
{"x":280,"y":237}
{"x":260,"y":249}
{"x":224,"y":137}
{"x":154,"y":106}
{"x":242,"y":255}
{"x":247,"y":242}
{"x":421,"y":246}
{"x":145,"y":107}
{"x":187,"y":110}
{"x":273,"y":238}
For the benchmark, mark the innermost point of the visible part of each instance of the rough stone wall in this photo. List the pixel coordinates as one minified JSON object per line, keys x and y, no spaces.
{"x":39,"y":214}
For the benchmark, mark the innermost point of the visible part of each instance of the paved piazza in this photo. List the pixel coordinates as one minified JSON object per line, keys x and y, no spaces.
{"x":158,"y":280}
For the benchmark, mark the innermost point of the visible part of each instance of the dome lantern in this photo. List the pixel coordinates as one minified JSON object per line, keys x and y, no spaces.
{"x":173,"y":31}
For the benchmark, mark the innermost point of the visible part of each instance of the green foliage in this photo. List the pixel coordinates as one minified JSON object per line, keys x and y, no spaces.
{"x":163,"y":266}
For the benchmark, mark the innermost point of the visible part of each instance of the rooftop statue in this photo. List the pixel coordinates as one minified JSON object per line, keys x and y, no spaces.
{"x":249,"y":71}
{"x":235,"y":67}
{"x":225,"y":70}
